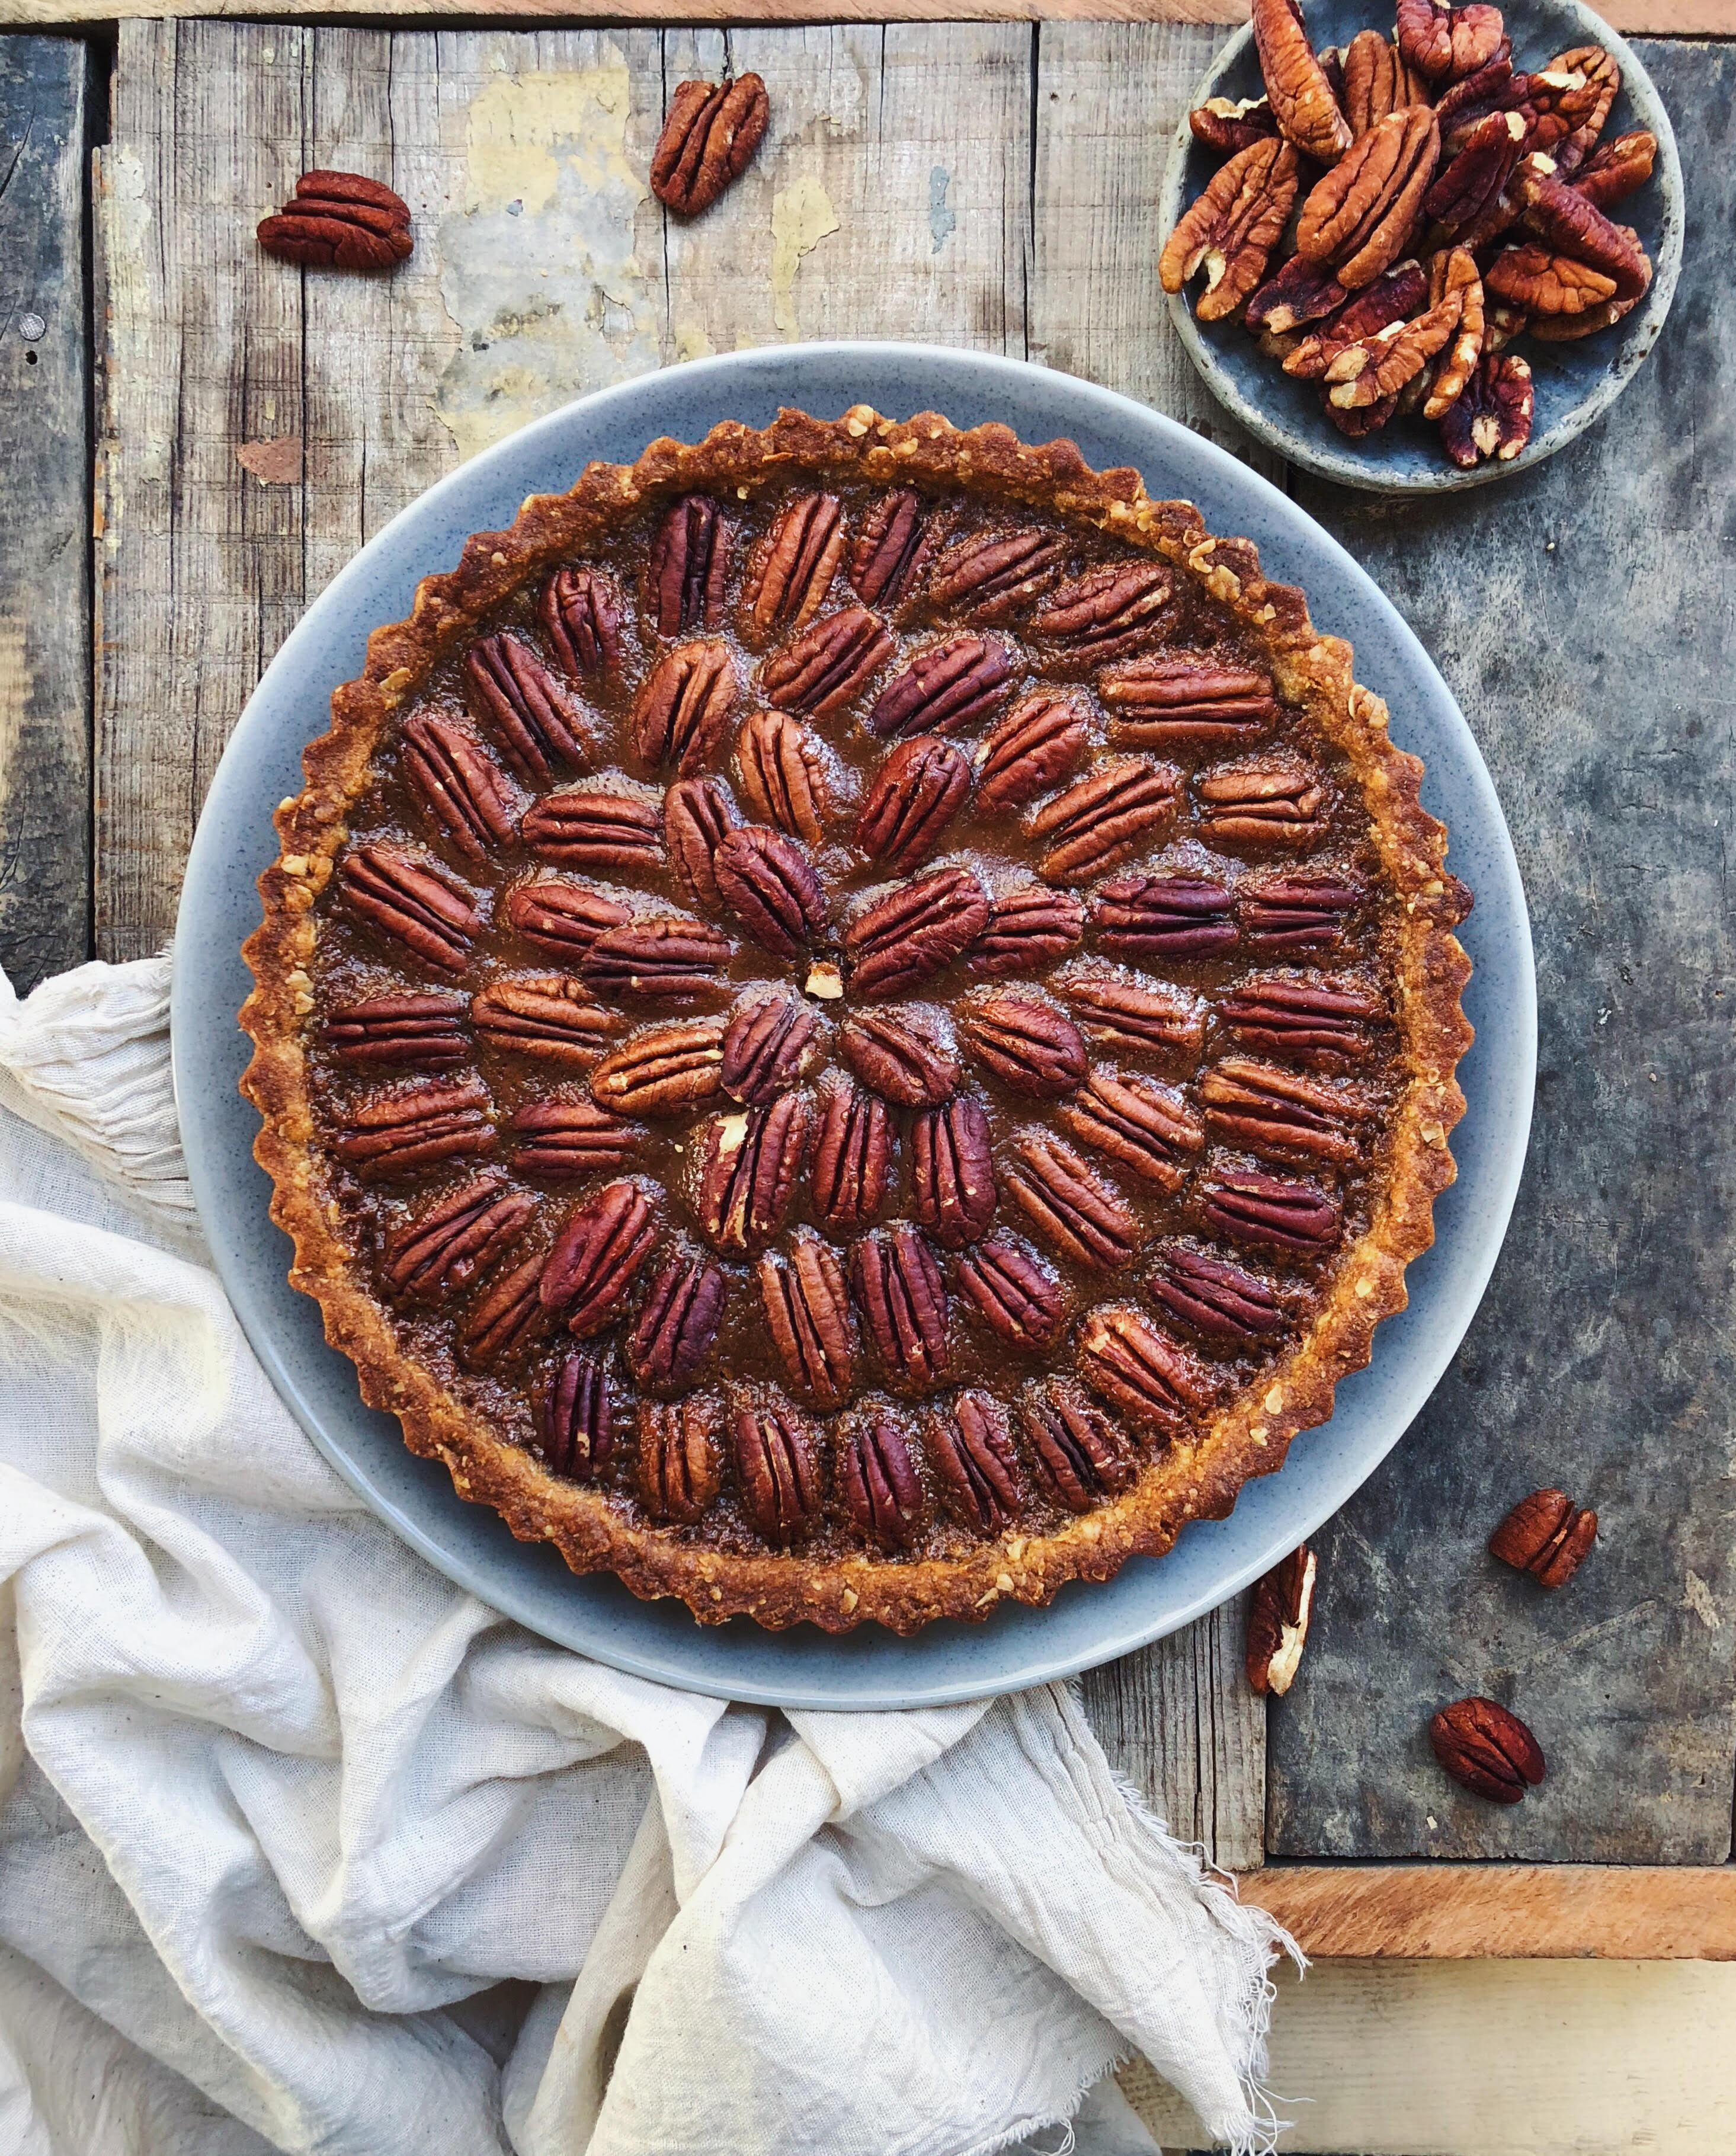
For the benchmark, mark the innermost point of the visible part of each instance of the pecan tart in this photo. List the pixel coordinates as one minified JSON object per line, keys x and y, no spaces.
{"x":856,"y":1021}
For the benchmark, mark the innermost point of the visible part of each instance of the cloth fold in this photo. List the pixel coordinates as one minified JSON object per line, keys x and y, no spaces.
{"x":282,"y":1810}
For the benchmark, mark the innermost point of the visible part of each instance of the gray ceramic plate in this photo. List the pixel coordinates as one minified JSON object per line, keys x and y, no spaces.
{"x":869,"y":1668}
{"x":1573,"y":383}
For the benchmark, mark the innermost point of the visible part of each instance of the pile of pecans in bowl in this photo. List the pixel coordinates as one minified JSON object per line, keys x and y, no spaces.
{"x":1431,"y":141}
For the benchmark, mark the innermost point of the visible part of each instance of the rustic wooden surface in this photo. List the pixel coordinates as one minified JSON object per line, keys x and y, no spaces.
{"x":44,"y":510}
{"x":985,"y":185}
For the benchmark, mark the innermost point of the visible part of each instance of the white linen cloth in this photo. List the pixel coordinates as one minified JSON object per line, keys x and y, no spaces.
{"x":281,"y":1807}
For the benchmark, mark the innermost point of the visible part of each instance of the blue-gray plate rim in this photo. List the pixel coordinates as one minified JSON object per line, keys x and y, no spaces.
{"x":804,"y":1668}
{"x":1573,"y":384}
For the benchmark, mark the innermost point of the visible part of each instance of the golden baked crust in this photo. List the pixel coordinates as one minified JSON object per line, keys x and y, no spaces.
{"x":1188,"y":1479}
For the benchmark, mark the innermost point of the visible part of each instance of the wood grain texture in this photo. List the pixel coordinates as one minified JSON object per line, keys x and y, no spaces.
{"x":45,"y":511}
{"x":1503,"y":1912}
{"x":1585,"y":616}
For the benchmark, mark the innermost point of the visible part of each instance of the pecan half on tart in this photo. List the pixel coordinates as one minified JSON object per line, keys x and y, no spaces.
{"x":856,"y":1022}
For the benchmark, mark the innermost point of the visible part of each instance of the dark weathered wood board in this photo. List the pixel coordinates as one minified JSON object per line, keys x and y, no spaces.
{"x":45,"y":511}
{"x":1584,"y":615}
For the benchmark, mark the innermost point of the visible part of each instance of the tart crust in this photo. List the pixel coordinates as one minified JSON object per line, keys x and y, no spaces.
{"x":1189,"y":1479}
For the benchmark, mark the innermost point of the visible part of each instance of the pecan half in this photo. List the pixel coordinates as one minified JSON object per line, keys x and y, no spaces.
{"x":1106,"y":614}
{"x":852,"y":1156}
{"x":698,"y":816}
{"x":596,"y":827}
{"x":1231,"y":230}
{"x":1378,"y":367}
{"x":1029,"y":928}
{"x":580,"y":616}
{"x":1302,"y":103}
{"x":1305,"y":910}
{"x":412,"y":903}
{"x":339,"y":221}
{"x":1163,"y":916}
{"x":1450,"y":272}
{"x":677,"y":1324}
{"x":1301,"y":292}
{"x":807,"y":1314}
{"x":539,"y":720}
{"x":994,"y":576}
{"x":1012,"y":1292}
{"x":1615,"y":169}
{"x":1492,"y":415}
{"x":1564,"y":219}
{"x":1277,"y":1621}
{"x":898,"y":941}
{"x":1487,"y":1747}
{"x":550,"y":1019}
{"x":949,"y":685}
{"x":1319,"y":1020}
{"x":1127,"y":1013}
{"x":658,"y":958}
{"x":461,"y":789}
{"x":1468,"y":200}
{"x":775,"y":1465}
{"x":1543,"y":283}
{"x":974,"y":1464}
{"x":1124,"y":803}
{"x":1394,"y":294}
{"x":824,"y":666}
{"x":1212,"y":1297}
{"x":952,"y":1172}
{"x":1280,"y":1115}
{"x":915,"y":796}
{"x":1363,"y":419}
{"x":790,"y":571}
{"x":1359,"y":216}
{"x":1144,"y":1127}
{"x":1473,"y":96}
{"x":450,"y":1243}
{"x":567,"y":1140}
{"x":902,"y":1059}
{"x":745,"y":1171}
{"x":678,"y":1470}
{"x":1027,"y":1044}
{"x":902,"y":1300}
{"x":1080,"y":1455}
{"x":575,"y":1425}
{"x":1603,"y":79}
{"x":418,"y":1032}
{"x":1039,"y":740}
{"x":1229,"y":124}
{"x":768,"y":1045}
{"x":1193,"y":704}
{"x":389,"y":1133}
{"x":1269,"y":801}
{"x":688,"y":568}
{"x":681,"y":711}
{"x":596,"y":1257}
{"x":1444,"y":43}
{"x":710,"y":132}
{"x":1547,"y":1535}
{"x":1126,"y":1361}
{"x":563,"y":919}
{"x":896,"y":539}
{"x":876,"y":1479}
{"x":1271,"y":1212}
{"x":1070,"y":1208}
{"x":1568,"y":329}
{"x":662,"y":1070}
{"x":784,"y":778}
{"x":768,"y":883}
{"x":506,"y":1320}
{"x":1378,"y":81}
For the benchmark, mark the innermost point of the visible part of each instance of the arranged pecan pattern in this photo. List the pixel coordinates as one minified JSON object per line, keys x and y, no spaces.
{"x":677,"y":1467}
{"x":952,"y":1175}
{"x":711,"y":132}
{"x":451,"y":1242}
{"x":972,"y":1450}
{"x":339,"y":221}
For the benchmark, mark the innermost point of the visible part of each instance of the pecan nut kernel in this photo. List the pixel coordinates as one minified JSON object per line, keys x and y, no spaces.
{"x":1486,"y":1747}
{"x":807,"y":1314}
{"x":1229,"y":124}
{"x":575,"y":1424}
{"x":1277,"y":1622}
{"x":681,"y":712}
{"x":688,"y":567}
{"x":792,"y":569}
{"x":971,"y":1449}
{"x":774,"y":1464}
{"x":1444,"y":43}
{"x":1492,"y":414}
{"x":677,"y":1324}
{"x":902,"y":1300}
{"x":897,"y":942}
{"x":746,"y":1171}
{"x":1547,"y":1535}
{"x":339,"y":221}
{"x":952,"y":1176}
{"x":1232,"y":229}
{"x":1017,"y":1297}
{"x":711,"y":132}
{"x":915,"y":796}
{"x":596,"y":1257}
{"x":881,"y":1489}
{"x":1359,"y":216}
{"x":851,"y":1159}
{"x":679,"y":1470}
{"x":769,"y":886}
{"x":768,"y":1045}
{"x":1038,"y":743}
{"x":417,"y":1032}
{"x":903,"y":1060}
{"x":662,"y":1070}
{"x":1303,"y":102}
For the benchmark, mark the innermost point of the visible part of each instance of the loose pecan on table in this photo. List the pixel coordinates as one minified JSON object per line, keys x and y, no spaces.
{"x":1487,"y":1747}
{"x":339,"y":221}
{"x":710,"y":132}
{"x":1547,"y":1535}
{"x":1277,"y":1621}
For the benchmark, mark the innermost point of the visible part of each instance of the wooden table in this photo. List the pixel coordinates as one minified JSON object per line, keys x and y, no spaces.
{"x":987,"y":183}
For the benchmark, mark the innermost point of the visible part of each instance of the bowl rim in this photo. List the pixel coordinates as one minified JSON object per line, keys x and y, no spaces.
{"x":1334,"y":458}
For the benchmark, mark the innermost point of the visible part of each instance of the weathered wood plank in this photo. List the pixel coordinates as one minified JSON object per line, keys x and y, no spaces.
{"x":45,"y":511}
{"x":1585,"y":614}
{"x":1504,"y":1911}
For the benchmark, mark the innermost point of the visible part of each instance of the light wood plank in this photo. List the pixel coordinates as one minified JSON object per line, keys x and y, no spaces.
{"x":45,"y":511}
{"x":1504,"y":1911}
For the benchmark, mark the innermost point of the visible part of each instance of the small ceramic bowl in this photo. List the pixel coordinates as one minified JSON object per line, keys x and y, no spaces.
{"x":1574,"y":383}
